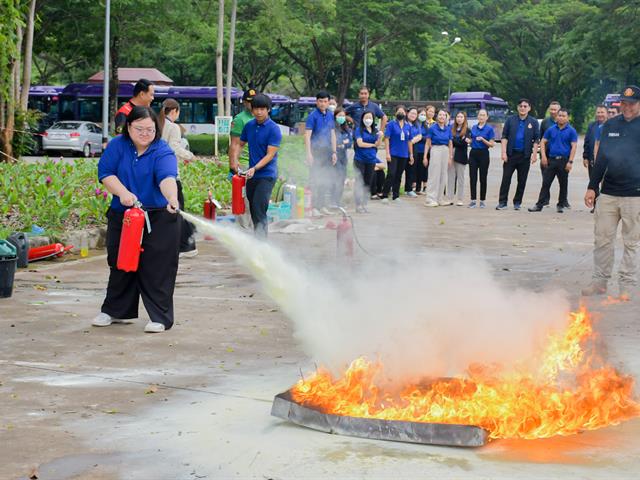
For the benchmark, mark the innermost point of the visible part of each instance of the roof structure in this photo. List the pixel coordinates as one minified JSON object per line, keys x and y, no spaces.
{"x":132,"y":75}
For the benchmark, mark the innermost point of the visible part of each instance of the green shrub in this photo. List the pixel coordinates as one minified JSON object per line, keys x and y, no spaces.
{"x":203,"y":144}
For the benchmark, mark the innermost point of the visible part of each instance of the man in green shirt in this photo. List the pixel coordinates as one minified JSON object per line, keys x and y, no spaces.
{"x":238,"y":123}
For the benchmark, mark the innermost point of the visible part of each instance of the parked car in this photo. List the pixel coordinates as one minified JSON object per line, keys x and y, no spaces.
{"x":73,"y":136}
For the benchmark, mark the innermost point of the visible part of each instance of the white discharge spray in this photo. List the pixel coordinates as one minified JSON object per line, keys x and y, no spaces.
{"x":431,"y":318}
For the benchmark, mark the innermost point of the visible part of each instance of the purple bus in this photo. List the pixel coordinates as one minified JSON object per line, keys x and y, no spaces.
{"x":472,"y":102}
{"x":198,"y":105}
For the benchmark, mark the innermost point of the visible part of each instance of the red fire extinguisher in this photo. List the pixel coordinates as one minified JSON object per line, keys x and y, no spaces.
{"x":131,"y":238}
{"x":238,"y":193}
{"x":344,"y":238}
{"x":210,"y":206}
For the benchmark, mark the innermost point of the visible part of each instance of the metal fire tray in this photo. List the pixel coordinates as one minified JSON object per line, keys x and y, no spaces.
{"x":398,"y":431}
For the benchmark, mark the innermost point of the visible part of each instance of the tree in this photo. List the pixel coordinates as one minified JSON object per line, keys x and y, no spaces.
{"x":28,"y":55}
{"x":232,"y":43}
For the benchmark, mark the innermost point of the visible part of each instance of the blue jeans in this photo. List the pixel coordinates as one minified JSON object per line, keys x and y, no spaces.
{"x":258,"y":193}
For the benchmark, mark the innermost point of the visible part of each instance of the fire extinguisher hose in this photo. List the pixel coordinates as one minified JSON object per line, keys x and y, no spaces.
{"x":353,"y":229}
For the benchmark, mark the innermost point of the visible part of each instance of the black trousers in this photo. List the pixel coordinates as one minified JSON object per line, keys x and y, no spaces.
{"x":515,"y":163}
{"x":410,"y":175}
{"x":155,"y":279}
{"x":478,"y":163}
{"x":394,"y":176}
{"x":422,"y":172}
{"x":364,"y":181}
{"x":187,"y":229}
{"x":377,"y":182}
{"x":555,"y":168}
{"x":258,"y":194}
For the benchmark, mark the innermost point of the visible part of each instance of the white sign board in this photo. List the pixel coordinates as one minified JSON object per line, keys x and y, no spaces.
{"x":223,"y":127}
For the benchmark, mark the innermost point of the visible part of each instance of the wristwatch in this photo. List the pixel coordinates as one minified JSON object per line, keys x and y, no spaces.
{"x":570,"y":161}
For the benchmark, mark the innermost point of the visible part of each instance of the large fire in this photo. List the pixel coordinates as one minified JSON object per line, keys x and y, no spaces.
{"x":570,"y":390}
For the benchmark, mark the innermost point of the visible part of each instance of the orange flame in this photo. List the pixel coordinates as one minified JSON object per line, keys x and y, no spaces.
{"x":566,"y":394}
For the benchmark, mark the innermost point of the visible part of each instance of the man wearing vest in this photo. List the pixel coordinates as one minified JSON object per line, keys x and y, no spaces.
{"x":143,"y":92}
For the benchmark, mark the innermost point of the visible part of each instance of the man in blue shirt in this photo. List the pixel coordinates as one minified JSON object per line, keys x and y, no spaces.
{"x":355,"y":110}
{"x":591,"y":136}
{"x":560,"y":141}
{"x":263,"y":136}
{"x":520,"y":137}
{"x":320,"y":143}
{"x":617,"y":166}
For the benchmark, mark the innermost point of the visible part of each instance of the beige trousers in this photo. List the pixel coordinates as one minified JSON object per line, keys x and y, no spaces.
{"x":456,"y":181}
{"x":438,"y":167}
{"x":610,"y":211}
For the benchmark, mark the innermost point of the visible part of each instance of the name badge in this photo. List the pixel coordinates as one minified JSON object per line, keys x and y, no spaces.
{"x":402,"y":135}
{"x":529,"y":126}
{"x":614,"y":134}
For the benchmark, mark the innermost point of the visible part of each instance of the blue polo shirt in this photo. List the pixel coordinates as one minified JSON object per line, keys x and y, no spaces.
{"x":422,"y":130}
{"x":598,"y":132}
{"x":518,"y":145}
{"x":367,"y":154}
{"x":356,"y":110}
{"x":260,"y":137}
{"x":439,"y":136}
{"x":487,"y":133}
{"x":560,"y":140}
{"x":141,"y":175}
{"x":398,"y":138}
{"x":321,"y":126}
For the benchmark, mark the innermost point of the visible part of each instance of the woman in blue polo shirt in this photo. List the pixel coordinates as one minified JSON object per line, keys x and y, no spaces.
{"x":344,"y":141}
{"x":418,"y":150}
{"x":439,"y":144}
{"x":367,"y":138}
{"x":482,"y":136}
{"x":411,"y":167}
{"x":399,"y":152}
{"x":138,"y":166}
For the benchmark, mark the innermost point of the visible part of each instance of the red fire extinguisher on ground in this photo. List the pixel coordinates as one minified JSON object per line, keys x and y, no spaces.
{"x":131,"y":238}
{"x":344,"y":237}
{"x":238,"y":193}
{"x":210,"y":206}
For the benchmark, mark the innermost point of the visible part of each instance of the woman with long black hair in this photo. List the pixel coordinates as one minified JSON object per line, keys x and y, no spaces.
{"x":344,"y":141}
{"x":368,"y":139}
{"x":410,"y":170}
{"x":461,"y":140}
{"x":482,"y":136}
{"x":137,"y":167}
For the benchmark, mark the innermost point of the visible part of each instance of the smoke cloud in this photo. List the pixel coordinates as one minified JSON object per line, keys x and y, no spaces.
{"x":432,"y":317}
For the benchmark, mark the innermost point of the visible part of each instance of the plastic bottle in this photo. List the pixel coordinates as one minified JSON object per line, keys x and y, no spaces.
{"x":308,"y":208}
{"x":84,"y":245}
{"x":299,"y":210}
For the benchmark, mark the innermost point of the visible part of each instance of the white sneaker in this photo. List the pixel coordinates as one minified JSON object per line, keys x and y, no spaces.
{"x":396,"y":200}
{"x":189,"y":254}
{"x":432,"y":204}
{"x":460,"y":203}
{"x":154,"y":327}
{"x":446,"y":203}
{"x":104,"y":320}
{"x":412,"y":194}
{"x":385,"y":201}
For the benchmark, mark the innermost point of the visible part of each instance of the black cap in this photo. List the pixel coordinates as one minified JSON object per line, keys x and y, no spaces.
{"x":630,"y":93}
{"x":248,"y":95}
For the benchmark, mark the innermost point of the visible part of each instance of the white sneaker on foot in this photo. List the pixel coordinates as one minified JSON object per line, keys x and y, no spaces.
{"x":460,"y":203}
{"x":189,"y":254}
{"x":104,"y":320}
{"x":432,"y":204}
{"x":385,"y":201}
{"x":153,"y":327}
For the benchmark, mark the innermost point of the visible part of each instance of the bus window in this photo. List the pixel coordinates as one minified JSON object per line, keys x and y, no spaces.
{"x":200,"y":112}
{"x":470,"y":108}
{"x":90,"y":109}
{"x":497,"y":114}
{"x":186,"y":114}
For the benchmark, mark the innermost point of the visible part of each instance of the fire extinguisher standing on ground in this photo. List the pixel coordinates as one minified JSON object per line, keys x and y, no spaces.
{"x":210,"y":206}
{"x":133,"y":223}
{"x":238,"y":193}
{"x":344,"y":237}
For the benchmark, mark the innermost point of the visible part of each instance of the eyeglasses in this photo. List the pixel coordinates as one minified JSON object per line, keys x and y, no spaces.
{"x":145,"y":131}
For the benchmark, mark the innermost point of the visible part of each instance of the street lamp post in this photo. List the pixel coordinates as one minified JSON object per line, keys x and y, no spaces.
{"x":455,"y":40}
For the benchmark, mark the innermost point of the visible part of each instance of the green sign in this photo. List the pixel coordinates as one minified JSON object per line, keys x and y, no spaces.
{"x":223,"y":125}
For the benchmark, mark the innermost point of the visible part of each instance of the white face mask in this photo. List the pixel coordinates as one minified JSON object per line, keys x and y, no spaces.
{"x":368,"y":121}
{"x":332,"y":108}
{"x":422,"y":118}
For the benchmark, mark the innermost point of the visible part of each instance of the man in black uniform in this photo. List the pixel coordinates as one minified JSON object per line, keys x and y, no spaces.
{"x":617,"y":166}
